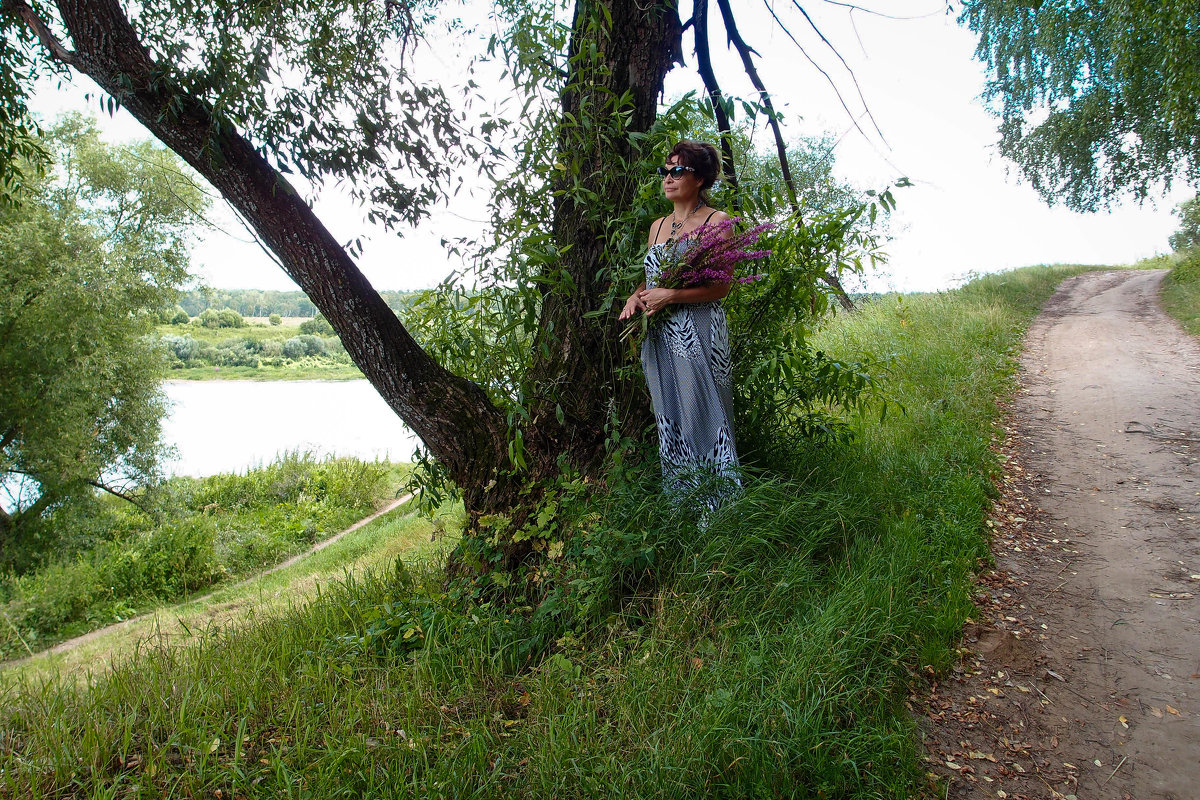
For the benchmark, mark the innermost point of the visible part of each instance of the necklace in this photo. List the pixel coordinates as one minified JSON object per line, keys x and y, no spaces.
{"x":676,"y":225}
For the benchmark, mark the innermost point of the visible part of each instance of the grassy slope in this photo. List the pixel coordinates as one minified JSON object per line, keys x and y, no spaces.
{"x":205,"y":532}
{"x":398,"y":534}
{"x":774,"y":662}
{"x":1181,"y":291}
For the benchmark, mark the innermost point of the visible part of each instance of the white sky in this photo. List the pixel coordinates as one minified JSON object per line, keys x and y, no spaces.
{"x":966,"y":213}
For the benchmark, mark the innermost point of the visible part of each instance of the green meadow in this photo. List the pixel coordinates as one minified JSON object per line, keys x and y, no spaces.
{"x":767,"y":652}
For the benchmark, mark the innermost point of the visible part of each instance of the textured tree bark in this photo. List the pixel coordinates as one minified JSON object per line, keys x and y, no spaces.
{"x":453,"y":416}
{"x":577,"y":359}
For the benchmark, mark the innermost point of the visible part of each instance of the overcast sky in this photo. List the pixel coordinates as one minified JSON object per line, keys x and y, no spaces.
{"x":967,"y":212}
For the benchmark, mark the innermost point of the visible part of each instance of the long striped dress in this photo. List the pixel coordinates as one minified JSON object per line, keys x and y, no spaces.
{"x":687,"y":363}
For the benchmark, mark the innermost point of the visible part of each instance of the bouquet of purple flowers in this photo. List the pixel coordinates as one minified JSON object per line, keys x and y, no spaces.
{"x":709,"y":255}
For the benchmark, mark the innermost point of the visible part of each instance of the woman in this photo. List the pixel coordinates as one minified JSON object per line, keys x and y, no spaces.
{"x":686,"y":357}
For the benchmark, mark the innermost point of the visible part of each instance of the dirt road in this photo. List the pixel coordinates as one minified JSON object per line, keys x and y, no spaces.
{"x":1083,"y":676}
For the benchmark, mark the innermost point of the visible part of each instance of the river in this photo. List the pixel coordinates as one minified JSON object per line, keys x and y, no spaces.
{"x":227,"y":426}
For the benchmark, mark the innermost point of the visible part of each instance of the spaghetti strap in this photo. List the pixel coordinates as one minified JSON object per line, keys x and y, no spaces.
{"x":706,"y":219}
{"x":658,"y":230}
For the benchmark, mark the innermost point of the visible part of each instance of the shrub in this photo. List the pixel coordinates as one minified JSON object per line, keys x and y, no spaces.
{"x":238,"y":353}
{"x":179,"y":316}
{"x":293,"y":348}
{"x":275,"y":319}
{"x":62,"y":594}
{"x":1186,"y":267}
{"x":230,"y":318}
{"x":292,"y":478}
{"x":317,"y":326}
{"x":301,"y":346}
{"x":1188,"y":235}
{"x":225,"y":318}
{"x":184,"y":349}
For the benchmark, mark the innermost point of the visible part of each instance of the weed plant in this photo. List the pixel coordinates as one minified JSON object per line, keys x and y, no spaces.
{"x":766,"y":653}
{"x":111,"y":561}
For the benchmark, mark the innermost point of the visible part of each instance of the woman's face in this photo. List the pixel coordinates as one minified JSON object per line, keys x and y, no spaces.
{"x":685,"y":187}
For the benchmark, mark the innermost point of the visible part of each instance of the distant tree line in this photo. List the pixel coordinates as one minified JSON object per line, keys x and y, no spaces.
{"x":265,"y":302}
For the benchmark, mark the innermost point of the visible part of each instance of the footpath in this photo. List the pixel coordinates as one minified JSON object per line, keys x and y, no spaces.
{"x":1081,"y":676}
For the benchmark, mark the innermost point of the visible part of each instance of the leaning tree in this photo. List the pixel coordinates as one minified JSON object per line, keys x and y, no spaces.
{"x":247,"y":93}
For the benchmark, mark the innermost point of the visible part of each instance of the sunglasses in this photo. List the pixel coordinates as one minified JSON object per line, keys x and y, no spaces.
{"x":675,"y":172}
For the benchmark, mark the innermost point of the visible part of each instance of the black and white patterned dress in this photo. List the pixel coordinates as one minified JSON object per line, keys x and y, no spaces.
{"x":687,"y":364}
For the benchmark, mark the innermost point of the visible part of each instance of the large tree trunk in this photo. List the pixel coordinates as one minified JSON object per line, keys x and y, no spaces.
{"x":574,"y":373}
{"x":576,"y":361}
{"x":453,"y":416}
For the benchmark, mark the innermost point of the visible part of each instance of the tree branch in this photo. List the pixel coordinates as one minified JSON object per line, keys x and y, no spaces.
{"x":39,"y":505}
{"x":118,"y":493}
{"x":835,"y":283}
{"x":734,"y":36}
{"x":948,"y":9}
{"x":452,"y":415}
{"x":26,"y":14}
{"x":746,"y":52}
{"x":853,"y":78}
{"x":715,"y":97}
{"x":828,"y":78}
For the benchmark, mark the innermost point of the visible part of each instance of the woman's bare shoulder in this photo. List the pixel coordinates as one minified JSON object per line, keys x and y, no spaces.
{"x":718,"y":216}
{"x":654,"y":229}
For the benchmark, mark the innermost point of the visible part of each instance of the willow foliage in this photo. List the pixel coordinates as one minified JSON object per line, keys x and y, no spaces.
{"x":1097,"y":98}
{"x":84,"y":261}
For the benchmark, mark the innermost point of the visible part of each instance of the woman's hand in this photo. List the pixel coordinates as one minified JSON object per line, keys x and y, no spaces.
{"x":633,"y":305}
{"x":654,"y":299}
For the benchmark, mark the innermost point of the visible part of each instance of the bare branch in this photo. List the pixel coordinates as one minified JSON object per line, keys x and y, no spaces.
{"x":875,"y":13}
{"x":828,"y":77}
{"x":853,"y":78}
{"x":734,"y":36}
{"x":118,"y":493}
{"x":246,"y":226}
{"x":715,"y":97}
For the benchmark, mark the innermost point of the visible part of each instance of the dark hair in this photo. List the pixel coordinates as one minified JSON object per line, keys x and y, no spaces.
{"x":700,"y":156}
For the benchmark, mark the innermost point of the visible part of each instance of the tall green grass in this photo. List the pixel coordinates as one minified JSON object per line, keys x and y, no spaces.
{"x":108,"y":561}
{"x":767,"y":653}
{"x":1181,"y":289}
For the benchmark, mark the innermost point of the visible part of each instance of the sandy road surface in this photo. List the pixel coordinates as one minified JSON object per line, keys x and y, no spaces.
{"x":1085,"y":678}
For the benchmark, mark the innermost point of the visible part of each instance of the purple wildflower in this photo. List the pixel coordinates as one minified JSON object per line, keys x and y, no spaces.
{"x":712,"y":258}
